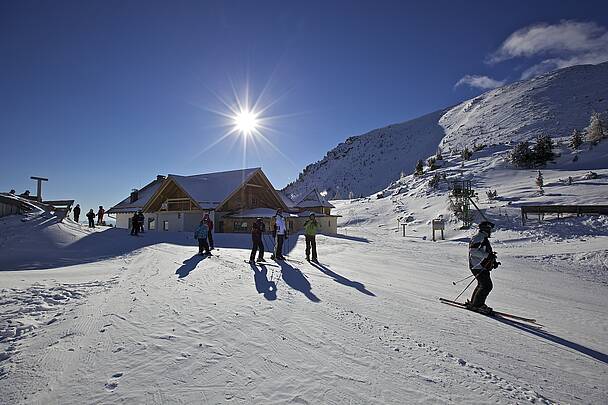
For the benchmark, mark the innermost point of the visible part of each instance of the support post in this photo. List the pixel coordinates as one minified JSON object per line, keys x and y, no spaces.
{"x":39,"y":187}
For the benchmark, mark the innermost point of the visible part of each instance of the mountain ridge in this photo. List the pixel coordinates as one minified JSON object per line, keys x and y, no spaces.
{"x":554,"y":103}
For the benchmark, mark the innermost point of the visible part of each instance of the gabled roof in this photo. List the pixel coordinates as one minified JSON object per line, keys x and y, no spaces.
{"x":288,"y":201}
{"x":313,"y":199}
{"x":143,"y":196}
{"x":211,"y":189}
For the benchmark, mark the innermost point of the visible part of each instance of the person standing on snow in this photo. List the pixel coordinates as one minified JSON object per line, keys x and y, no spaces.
{"x":209,"y":223}
{"x":135,"y":224}
{"x":100,"y":213}
{"x":91,"y":217}
{"x":201,"y":233}
{"x":280,"y":234}
{"x":77,"y":213}
{"x":482,"y":260}
{"x":257,"y":231}
{"x":141,"y":220}
{"x":310,"y":231}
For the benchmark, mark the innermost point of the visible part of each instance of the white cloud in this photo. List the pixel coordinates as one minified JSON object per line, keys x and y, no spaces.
{"x":567,"y":43}
{"x":481,"y":82}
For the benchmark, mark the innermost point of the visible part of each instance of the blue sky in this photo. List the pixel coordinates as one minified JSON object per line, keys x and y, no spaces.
{"x":100,"y":96}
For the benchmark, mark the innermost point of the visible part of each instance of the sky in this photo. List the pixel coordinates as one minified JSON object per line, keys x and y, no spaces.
{"x":101,"y":96}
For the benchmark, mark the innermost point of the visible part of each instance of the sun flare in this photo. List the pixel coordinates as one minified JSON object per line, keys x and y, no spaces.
{"x":246,"y":122}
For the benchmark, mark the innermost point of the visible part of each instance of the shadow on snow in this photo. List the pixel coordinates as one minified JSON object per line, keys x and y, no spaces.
{"x":294,"y":278}
{"x":263,"y":285}
{"x":343,"y":280}
{"x":189,"y":265}
{"x":555,"y":339}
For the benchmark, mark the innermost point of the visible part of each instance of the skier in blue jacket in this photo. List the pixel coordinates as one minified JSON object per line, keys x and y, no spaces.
{"x":201,"y":234}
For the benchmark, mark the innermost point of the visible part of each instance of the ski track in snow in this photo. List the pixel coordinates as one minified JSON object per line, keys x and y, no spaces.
{"x":157,"y":324}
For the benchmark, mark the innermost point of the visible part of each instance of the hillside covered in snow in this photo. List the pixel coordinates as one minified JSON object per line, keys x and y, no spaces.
{"x":552,"y":104}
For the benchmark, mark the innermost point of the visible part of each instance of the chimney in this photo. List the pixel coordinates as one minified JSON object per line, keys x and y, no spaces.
{"x":134,"y":195}
{"x":160,"y":177}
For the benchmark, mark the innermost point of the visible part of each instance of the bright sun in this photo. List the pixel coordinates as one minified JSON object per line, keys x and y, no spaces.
{"x":246,"y":122}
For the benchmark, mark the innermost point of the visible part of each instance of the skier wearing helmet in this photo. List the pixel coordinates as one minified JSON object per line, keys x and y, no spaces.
{"x":482,"y":260}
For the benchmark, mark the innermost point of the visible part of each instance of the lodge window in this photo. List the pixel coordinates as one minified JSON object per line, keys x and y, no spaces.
{"x":165,"y":225}
{"x":240,"y":226}
{"x":254,"y":201}
{"x":151,"y":224}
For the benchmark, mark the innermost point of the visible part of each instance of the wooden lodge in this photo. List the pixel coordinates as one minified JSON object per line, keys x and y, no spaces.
{"x":233,"y":199}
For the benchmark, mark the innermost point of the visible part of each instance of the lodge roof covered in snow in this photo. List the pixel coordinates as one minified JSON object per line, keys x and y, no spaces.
{"x":208,"y":190}
{"x":141,"y":198}
{"x":211,"y":189}
{"x":313,"y":199}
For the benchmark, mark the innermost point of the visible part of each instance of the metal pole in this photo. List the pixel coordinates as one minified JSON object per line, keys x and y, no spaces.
{"x":466,"y":288}
{"x":478,"y":210}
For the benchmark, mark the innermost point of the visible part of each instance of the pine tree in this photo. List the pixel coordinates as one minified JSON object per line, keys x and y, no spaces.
{"x":521,"y":155}
{"x":432,"y":163}
{"x":419,"y":168}
{"x":543,"y":149}
{"x":438,"y":155}
{"x":466,"y":154}
{"x":595,"y":130}
{"x":576,"y":140}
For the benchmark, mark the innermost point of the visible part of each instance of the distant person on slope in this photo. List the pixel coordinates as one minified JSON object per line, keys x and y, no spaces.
{"x":280,"y":234}
{"x":135,"y":224}
{"x":257,"y":231}
{"x":310,"y":231}
{"x":201,"y":233}
{"x":481,"y":261}
{"x":100,"y":213}
{"x":91,"y":217}
{"x":210,"y":233}
{"x":77,"y":213}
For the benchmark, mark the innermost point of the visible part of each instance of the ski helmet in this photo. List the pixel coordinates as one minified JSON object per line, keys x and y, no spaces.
{"x":486,"y":226}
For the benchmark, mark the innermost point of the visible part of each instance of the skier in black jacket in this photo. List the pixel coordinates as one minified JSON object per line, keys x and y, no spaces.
{"x":257,"y":231}
{"x":76,"y":211}
{"x":135,"y":224}
{"x":482,"y":260}
{"x":91,"y":217}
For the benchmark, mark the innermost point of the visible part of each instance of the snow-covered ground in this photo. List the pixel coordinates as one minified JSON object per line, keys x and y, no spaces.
{"x":98,"y":316}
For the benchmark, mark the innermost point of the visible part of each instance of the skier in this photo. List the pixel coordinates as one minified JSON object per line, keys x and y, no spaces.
{"x":135,"y":224}
{"x":210,"y":233}
{"x":201,"y":233}
{"x":77,"y":213}
{"x":100,"y":213}
{"x":481,"y":261}
{"x":310,"y":231}
{"x":141,"y":220}
{"x":91,"y":217}
{"x":280,"y":234}
{"x":257,"y":230}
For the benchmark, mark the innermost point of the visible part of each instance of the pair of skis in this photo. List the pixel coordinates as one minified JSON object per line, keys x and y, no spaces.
{"x":493,"y":314}
{"x":265,"y":263}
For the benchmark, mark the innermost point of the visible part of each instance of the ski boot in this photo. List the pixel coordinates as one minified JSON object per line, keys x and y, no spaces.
{"x":261,"y":260}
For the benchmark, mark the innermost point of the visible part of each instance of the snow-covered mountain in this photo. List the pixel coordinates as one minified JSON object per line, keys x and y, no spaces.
{"x":554,"y":104}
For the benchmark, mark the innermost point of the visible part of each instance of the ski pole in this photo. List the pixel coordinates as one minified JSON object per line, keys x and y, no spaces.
{"x":460,"y":281}
{"x":466,"y":288}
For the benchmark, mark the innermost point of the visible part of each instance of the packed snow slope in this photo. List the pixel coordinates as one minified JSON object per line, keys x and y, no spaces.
{"x":553,"y":104}
{"x":148,"y":321}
